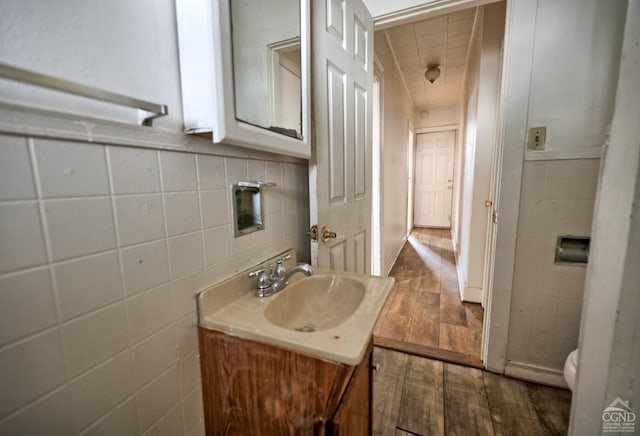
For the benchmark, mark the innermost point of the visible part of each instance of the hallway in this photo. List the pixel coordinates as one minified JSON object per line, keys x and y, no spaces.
{"x":424,"y":314}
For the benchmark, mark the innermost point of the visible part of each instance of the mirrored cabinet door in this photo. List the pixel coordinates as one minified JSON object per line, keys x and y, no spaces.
{"x":245,"y":72}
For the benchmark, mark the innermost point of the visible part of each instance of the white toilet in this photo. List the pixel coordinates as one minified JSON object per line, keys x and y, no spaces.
{"x":570,"y":366}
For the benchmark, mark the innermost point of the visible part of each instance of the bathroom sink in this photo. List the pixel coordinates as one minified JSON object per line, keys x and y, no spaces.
{"x":330,"y":315}
{"x":316,"y":303}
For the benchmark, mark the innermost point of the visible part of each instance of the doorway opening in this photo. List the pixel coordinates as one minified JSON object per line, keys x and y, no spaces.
{"x":445,"y":254}
{"x":285,"y":84}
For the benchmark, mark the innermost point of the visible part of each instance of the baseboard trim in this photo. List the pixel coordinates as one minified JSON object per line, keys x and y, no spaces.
{"x":392,"y":261}
{"x":472,"y":294}
{"x":458,"y":271}
{"x":468,"y":294}
{"x":535,"y":373}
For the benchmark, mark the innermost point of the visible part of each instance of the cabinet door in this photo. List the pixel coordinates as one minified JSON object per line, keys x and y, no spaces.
{"x":353,"y":416}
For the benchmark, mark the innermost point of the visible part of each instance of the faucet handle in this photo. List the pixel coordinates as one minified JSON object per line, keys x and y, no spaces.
{"x":257,"y":272}
{"x":279,"y":271}
{"x":264,"y":281}
{"x":283,"y":258}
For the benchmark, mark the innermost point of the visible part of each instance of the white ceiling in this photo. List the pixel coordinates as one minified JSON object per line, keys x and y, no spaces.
{"x":443,"y":40}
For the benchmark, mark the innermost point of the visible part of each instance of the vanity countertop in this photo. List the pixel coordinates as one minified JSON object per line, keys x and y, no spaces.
{"x":232,"y":307}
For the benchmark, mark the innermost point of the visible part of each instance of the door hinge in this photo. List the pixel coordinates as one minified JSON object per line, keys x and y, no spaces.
{"x":494,"y":217}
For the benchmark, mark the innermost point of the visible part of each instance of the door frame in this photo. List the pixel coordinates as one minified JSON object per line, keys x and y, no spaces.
{"x":377,"y":175}
{"x":515,"y":77}
{"x":411,"y":176}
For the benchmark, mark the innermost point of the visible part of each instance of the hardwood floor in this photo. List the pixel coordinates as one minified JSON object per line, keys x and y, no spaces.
{"x":424,"y":315}
{"x":413,"y":395}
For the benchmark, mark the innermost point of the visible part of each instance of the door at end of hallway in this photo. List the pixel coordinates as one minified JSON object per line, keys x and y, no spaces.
{"x":433,"y":179}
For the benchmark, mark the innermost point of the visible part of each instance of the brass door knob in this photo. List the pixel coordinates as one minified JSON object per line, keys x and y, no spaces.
{"x":327,"y":234}
{"x":488,"y":203}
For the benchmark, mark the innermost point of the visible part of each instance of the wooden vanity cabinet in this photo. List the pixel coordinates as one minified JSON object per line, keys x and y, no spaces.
{"x":250,"y":388}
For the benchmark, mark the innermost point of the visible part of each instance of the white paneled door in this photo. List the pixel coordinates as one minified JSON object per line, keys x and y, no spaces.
{"x":340,"y":167}
{"x":433,"y":179}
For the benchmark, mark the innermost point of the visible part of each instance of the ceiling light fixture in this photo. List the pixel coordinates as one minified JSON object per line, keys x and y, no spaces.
{"x":432,"y":72}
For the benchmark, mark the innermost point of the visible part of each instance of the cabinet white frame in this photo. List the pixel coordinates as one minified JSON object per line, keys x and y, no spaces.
{"x":206,"y":75}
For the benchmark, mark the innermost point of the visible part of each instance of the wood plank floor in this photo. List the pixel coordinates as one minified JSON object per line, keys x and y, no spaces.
{"x":413,"y":395}
{"x":424,"y":314}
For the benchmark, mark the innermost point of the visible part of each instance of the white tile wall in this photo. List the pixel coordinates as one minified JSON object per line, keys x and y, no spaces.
{"x":140,"y":218}
{"x":100,"y":390}
{"x":79,"y":226}
{"x":102,"y":250}
{"x":557,"y":198}
{"x":88,"y":283}
{"x":50,"y":415}
{"x":145,"y":266}
{"x":21,"y":236}
{"x":158,"y":397}
{"x":183,"y":213}
{"x":192,"y":405}
{"x":122,"y":420}
{"x":16,"y":178}
{"x":27,"y":292}
{"x":30,"y":369}
{"x":178,"y":171}
{"x":168,"y":425}
{"x":134,"y":170}
{"x":70,"y":169}
{"x":94,"y":338}
{"x":154,"y":355}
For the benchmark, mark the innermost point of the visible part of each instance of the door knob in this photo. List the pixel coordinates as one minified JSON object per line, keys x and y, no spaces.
{"x":327,"y":234}
{"x":313,"y":232}
{"x":488,"y":203}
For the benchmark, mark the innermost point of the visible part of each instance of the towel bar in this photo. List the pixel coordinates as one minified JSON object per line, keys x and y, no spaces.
{"x":43,"y":80}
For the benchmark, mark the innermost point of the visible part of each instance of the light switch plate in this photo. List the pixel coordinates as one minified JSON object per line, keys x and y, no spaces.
{"x":537,"y":138}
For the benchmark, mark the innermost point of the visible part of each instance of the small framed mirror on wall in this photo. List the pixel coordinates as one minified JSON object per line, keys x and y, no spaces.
{"x":245,"y":72}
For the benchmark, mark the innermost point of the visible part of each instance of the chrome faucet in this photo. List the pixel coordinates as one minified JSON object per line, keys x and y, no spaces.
{"x":281,"y":282}
{"x":276,"y":280}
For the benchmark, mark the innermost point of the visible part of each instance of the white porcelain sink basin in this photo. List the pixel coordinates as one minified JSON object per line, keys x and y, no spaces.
{"x":317,"y":303}
{"x":330,"y":315}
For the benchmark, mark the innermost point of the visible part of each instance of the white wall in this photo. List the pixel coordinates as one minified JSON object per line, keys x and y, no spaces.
{"x":398,"y":113}
{"x":573,"y":97}
{"x":574,"y":71}
{"x":126,"y":47}
{"x":465,"y":165}
{"x":599,"y":41}
{"x":437,"y":116}
{"x":103,"y":245}
{"x":480,"y":102}
{"x":609,"y":341}
{"x":557,"y":198}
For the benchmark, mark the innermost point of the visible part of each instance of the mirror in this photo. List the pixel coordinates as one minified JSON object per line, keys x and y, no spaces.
{"x":267,"y":64}
{"x":244,"y":72}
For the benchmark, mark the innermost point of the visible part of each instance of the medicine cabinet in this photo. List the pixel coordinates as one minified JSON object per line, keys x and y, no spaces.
{"x":244,"y":68}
